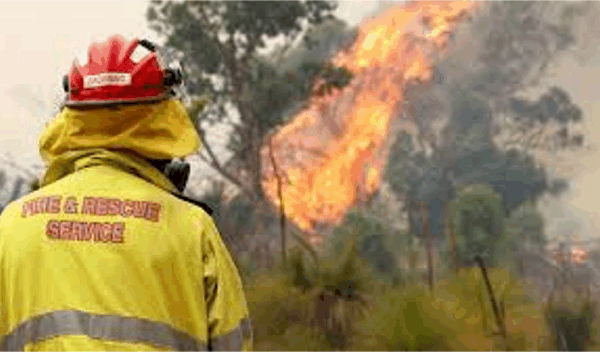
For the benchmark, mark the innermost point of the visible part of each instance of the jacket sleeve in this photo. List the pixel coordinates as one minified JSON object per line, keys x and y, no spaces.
{"x":229,"y":327}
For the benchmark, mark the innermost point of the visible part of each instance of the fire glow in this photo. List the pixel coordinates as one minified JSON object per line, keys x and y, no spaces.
{"x":333,"y":153}
{"x":577,"y":256}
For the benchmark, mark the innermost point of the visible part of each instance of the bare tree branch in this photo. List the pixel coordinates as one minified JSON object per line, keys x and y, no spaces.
{"x":214,"y":163}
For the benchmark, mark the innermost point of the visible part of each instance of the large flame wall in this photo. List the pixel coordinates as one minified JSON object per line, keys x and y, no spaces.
{"x":332,"y":153}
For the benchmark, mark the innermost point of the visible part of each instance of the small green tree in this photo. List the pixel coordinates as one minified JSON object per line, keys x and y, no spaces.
{"x":478,"y":222}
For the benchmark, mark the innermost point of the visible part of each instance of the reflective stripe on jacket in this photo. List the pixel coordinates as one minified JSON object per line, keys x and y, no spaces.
{"x":105,"y":260}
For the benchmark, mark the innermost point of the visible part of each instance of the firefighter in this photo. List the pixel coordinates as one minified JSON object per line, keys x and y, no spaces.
{"x":108,"y":254}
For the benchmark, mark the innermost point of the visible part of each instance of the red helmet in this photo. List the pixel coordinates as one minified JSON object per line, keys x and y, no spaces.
{"x":112,"y":77}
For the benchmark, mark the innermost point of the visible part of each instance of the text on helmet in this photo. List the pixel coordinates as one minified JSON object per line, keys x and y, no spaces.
{"x":107,"y":79}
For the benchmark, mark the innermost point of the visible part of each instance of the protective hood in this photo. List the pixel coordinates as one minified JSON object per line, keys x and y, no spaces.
{"x":155,"y":131}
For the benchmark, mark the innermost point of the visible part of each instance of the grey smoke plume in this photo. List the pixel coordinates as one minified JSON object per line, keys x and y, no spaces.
{"x":576,"y":212}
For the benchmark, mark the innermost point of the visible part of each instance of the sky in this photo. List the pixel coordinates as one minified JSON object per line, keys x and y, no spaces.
{"x":41,"y":38}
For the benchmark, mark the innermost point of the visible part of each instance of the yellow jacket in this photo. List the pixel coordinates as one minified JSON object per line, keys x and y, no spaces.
{"x":102,"y":258}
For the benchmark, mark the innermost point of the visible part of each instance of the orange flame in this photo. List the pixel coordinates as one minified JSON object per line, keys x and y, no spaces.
{"x":332,"y":154}
{"x":577,"y":256}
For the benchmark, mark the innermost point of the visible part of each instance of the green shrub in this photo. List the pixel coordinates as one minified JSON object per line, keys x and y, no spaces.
{"x":458,"y":316}
{"x":343,"y":305}
{"x":372,"y":241}
{"x":570,"y":319}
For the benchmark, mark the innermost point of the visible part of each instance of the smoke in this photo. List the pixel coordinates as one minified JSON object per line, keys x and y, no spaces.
{"x":575,"y":213}
{"x":354,"y":12}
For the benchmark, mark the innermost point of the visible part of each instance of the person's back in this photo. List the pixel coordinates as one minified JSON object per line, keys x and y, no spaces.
{"x":106,"y":256}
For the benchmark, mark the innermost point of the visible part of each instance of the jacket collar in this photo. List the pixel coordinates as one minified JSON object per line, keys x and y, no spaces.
{"x":73,"y":161}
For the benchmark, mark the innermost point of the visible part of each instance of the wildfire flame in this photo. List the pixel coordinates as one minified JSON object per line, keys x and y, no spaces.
{"x":577,"y":256}
{"x":332,"y":154}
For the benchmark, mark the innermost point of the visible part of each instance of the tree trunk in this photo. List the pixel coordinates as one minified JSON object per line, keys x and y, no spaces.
{"x":281,"y":204}
{"x":256,"y":175}
{"x":429,"y":245}
{"x":411,"y":217}
{"x":254,"y":160}
{"x":451,"y":235}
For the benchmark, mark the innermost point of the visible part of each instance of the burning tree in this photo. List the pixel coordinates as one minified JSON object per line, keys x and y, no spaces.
{"x":334,"y":151}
